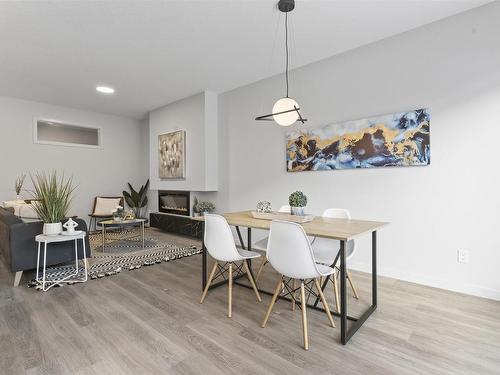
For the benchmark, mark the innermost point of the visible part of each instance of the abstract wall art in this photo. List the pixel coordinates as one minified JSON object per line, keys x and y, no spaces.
{"x":172,"y":155}
{"x":396,"y":140}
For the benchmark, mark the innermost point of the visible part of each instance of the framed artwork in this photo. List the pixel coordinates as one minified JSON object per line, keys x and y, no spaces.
{"x":172,"y":155}
{"x":396,"y":140}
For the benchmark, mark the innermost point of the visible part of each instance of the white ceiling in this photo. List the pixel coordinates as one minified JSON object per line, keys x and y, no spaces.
{"x":156,"y":52}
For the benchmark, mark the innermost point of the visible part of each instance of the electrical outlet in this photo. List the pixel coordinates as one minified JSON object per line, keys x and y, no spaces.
{"x":463,"y":256}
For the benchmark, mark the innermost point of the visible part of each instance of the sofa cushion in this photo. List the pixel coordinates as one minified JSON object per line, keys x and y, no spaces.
{"x":26,"y":211}
{"x":8,"y":217}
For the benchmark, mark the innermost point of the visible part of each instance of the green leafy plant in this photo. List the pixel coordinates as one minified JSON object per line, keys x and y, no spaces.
{"x":19,"y":183}
{"x":137,"y":200}
{"x":52,"y":196}
{"x":200,"y":207}
{"x":297,"y":199}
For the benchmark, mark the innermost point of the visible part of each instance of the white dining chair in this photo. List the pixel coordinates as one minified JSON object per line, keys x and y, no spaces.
{"x":289,"y":252}
{"x":219,"y":242}
{"x":325,"y":250}
{"x":261,"y":245}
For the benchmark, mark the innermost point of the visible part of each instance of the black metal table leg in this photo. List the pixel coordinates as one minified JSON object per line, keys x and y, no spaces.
{"x":346,"y":335}
{"x":343,"y":295}
{"x":240,"y":238}
{"x":374,"y":269}
{"x":249,"y":248}
{"x":203,"y":259}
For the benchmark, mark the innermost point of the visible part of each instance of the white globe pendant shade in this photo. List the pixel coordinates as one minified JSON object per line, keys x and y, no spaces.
{"x":282,"y":105}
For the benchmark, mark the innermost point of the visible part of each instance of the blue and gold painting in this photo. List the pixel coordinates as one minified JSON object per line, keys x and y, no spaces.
{"x":396,"y":140}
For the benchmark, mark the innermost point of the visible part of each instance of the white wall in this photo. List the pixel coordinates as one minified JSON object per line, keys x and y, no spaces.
{"x":196,"y":116}
{"x":96,"y":171}
{"x":451,"y":66}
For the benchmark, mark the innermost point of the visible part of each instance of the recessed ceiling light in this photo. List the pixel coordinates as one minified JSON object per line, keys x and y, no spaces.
{"x":105,"y":89}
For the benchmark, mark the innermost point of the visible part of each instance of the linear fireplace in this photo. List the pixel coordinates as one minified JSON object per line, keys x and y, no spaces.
{"x":174,"y":202}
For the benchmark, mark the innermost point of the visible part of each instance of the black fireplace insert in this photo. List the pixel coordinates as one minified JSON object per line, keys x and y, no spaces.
{"x":174,"y":202}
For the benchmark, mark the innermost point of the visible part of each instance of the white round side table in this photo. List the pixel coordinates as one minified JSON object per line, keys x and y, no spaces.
{"x":41,"y":238}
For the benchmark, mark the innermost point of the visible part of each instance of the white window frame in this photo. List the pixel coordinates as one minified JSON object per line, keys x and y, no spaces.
{"x":69,"y":124}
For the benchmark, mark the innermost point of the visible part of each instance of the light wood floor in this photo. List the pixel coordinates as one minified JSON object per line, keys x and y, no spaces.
{"x":149,"y":321}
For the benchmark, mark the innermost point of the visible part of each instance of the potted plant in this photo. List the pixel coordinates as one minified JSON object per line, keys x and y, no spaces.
{"x":203,"y":207}
{"x":53,"y":197}
{"x":297,"y":201}
{"x":19,"y":185}
{"x":137,"y":200}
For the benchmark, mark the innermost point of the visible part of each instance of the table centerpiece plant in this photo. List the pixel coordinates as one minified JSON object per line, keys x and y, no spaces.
{"x":297,"y":201}
{"x":52,"y":199}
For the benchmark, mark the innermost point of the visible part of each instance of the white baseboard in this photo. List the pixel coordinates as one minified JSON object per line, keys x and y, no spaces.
{"x":466,"y":288}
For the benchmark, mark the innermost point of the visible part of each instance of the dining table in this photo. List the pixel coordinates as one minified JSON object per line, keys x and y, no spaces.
{"x":342,"y":230}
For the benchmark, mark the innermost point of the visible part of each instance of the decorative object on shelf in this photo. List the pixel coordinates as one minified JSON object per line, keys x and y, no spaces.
{"x":286,"y":111}
{"x":264,"y":206}
{"x":129,"y":215}
{"x":204,"y":207}
{"x":137,"y":200}
{"x":172,"y":155}
{"x":118,"y":213}
{"x":70,"y":226}
{"x":297,"y":201}
{"x":19,"y":185}
{"x":53,"y":197}
{"x":396,"y":140}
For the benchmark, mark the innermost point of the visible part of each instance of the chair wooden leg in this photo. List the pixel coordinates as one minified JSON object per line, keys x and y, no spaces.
{"x":336,"y":291}
{"x":254,"y":286}
{"x":294,"y":283}
{"x":264,"y":262}
{"x":214,"y":268}
{"x":277,"y":291}
{"x":304,"y":314}
{"x":352,"y":285}
{"x":230,"y":303}
{"x":323,"y":301}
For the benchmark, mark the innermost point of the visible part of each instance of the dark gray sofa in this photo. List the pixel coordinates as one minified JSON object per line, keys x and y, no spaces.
{"x":19,"y":249}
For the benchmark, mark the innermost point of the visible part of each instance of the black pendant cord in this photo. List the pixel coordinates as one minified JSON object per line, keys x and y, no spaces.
{"x":286,"y":52}
{"x":285,"y":6}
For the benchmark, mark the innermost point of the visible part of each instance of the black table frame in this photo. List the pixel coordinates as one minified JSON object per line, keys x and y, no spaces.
{"x":345,"y":333}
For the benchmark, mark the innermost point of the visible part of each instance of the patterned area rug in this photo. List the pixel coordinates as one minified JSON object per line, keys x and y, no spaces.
{"x":123,"y":251}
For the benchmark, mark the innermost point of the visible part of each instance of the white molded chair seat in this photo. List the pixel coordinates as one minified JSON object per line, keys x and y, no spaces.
{"x":289,"y":252}
{"x":325,"y":251}
{"x":245,"y":254}
{"x":219,"y":243}
{"x":262,"y":244}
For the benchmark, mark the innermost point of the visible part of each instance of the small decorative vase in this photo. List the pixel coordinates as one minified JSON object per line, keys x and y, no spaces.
{"x":52,"y":229}
{"x":298,"y":211}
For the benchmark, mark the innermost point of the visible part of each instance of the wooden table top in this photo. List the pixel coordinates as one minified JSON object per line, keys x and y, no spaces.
{"x":338,"y":229}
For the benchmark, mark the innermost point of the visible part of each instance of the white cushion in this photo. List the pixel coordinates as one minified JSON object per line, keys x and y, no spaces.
{"x":26,"y":211}
{"x":106,"y":206}
{"x":9,"y":204}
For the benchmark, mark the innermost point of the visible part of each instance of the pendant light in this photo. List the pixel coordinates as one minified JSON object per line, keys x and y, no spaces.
{"x":286,"y":111}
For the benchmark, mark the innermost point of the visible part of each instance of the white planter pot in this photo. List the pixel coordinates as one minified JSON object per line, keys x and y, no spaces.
{"x":298,"y":211}
{"x":52,"y":229}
